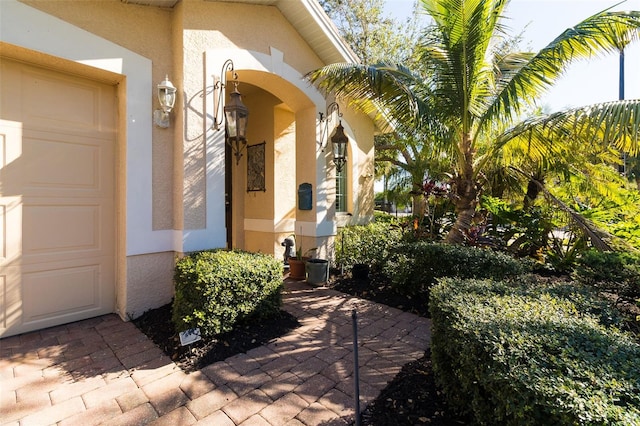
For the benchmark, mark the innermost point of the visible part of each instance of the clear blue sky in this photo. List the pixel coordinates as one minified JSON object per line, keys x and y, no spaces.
{"x":585,"y":82}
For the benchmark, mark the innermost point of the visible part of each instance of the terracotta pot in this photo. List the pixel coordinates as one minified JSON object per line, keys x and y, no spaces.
{"x":297,"y":269}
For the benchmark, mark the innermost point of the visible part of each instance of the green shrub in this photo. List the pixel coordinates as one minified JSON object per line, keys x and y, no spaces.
{"x":414,"y":267}
{"x":216,"y":289}
{"x":533,"y":354}
{"x":523,"y":232}
{"x":384,"y":217}
{"x":367,"y":244}
{"x":610,"y":271}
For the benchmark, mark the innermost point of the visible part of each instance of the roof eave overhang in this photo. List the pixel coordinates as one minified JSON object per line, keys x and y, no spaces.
{"x":339,"y":50}
{"x":306,"y":16}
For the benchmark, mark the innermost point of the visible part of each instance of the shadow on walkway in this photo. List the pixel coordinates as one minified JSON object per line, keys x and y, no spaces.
{"x":105,"y":371}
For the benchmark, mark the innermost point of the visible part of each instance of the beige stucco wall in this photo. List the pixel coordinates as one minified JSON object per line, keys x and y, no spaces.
{"x":284,"y":158}
{"x":257,"y":206}
{"x":213,"y":25}
{"x":177,"y":41}
{"x":244,"y":26}
{"x":145,"y":274}
{"x":143,"y":281}
{"x":148,"y":32}
{"x":295,"y":149}
{"x":361,"y":176}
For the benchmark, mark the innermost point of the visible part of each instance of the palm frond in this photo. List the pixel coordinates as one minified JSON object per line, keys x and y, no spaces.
{"x":605,"y":32}
{"x":384,"y":91}
{"x":614,"y":124}
{"x":599,"y":238}
{"x":454,"y":50}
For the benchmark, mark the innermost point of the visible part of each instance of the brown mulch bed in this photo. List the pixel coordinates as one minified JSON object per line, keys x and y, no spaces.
{"x":157,"y":325}
{"x":412,"y":398}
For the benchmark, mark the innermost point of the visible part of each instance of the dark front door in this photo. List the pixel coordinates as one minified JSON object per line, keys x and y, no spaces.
{"x":228,"y":191}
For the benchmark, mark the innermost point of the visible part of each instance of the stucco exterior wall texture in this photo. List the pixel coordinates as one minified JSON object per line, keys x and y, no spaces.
{"x":148,"y":32}
{"x":217,"y":26}
{"x":147,"y":283}
{"x":188,"y":154}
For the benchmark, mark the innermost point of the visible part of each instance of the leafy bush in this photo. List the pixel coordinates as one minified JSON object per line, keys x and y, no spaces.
{"x":537,"y":232}
{"x":628,"y":230}
{"x":524,"y":233}
{"x":384,"y":217}
{"x":414,"y":267}
{"x":366,"y":244}
{"x":216,"y":289}
{"x":611,"y":271}
{"x":533,"y":354}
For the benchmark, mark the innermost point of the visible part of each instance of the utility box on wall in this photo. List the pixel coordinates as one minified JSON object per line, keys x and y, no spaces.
{"x":305,"y":196}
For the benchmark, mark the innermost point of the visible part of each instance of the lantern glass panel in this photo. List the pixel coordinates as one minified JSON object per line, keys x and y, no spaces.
{"x":237,"y":115}
{"x":339,"y":142}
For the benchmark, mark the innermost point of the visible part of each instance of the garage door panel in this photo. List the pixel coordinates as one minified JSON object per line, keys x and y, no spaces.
{"x":55,"y":165}
{"x":57,"y":198}
{"x":53,"y":99}
{"x":10,"y":154}
{"x":10,"y":297}
{"x":58,"y":292}
{"x":3,"y":232}
{"x":10,"y":226}
{"x":60,"y":228}
{"x":67,"y":165}
{"x":3,"y":301}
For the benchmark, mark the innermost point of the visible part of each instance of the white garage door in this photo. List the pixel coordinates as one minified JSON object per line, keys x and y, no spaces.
{"x":57,"y":215}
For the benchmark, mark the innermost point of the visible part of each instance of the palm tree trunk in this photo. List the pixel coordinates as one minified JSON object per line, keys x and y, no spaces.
{"x":419,"y":207}
{"x":418,"y":202}
{"x":465,"y":210}
{"x":533,"y":190}
{"x":466,"y":193}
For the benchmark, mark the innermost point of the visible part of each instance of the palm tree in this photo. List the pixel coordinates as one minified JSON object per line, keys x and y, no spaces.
{"x":411,"y":156}
{"x":470,"y":100}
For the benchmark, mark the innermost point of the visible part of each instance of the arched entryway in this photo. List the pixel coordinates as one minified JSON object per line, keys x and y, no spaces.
{"x":284,"y":120}
{"x":281,"y":153}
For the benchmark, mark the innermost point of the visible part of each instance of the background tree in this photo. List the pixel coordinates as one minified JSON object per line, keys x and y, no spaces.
{"x":371,"y":34}
{"x":633,"y":170}
{"x":411,"y":153}
{"x":374,"y":36}
{"x":472,"y":100}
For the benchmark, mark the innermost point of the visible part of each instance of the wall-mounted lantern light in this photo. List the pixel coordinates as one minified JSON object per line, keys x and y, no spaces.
{"x":338,"y":139}
{"x":167,"y":99}
{"x":236,"y":114}
{"x":339,"y":143}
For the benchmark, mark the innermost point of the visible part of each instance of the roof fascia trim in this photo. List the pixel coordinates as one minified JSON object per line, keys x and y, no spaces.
{"x":329,"y":28}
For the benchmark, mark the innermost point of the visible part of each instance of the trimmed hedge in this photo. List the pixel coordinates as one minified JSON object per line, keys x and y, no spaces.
{"x":414,"y":267}
{"x":216,"y":289}
{"x":366,"y":244}
{"x":610,"y":271}
{"x":533,"y":354}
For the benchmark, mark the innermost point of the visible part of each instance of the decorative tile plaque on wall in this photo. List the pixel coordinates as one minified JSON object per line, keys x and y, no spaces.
{"x":255,"y":167}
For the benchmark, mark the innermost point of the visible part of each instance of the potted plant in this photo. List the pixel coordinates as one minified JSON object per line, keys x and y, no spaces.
{"x":297,"y":264}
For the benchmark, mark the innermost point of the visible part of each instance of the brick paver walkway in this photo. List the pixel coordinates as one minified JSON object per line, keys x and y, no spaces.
{"x":105,"y":371}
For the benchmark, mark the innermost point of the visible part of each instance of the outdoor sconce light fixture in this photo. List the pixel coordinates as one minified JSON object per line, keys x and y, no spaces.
{"x":167,"y":99}
{"x":338,"y":139}
{"x":236,"y":114}
{"x":339,"y":143}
